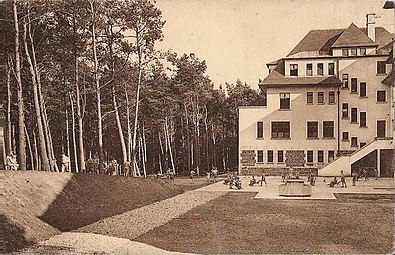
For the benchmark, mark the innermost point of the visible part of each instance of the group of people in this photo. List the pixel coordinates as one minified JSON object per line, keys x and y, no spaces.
{"x":233,"y":180}
{"x":260,"y":181}
{"x":335,"y":181}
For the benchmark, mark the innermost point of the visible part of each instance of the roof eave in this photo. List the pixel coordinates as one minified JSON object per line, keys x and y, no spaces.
{"x":354,"y":46}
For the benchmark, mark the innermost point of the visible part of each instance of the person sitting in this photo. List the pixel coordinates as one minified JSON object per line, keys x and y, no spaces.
{"x":333,"y":182}
{"x":12,"y":162}
{"x":252,"y":181}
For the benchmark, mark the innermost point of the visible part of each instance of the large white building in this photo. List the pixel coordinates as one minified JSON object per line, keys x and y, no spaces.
{"x":328,"y":106}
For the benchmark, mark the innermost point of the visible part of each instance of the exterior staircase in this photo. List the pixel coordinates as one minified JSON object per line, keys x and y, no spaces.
{"x":344,"y":162}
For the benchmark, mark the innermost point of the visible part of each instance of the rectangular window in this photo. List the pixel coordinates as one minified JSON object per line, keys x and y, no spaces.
{"x":354,"y":115}
{"x":331,"y":97}
{"x":320,"y":69}
{"x":354,"y":141}
{"x":345,"y":110}
{"x":329,"y":129}
{"x":312,"y":129}
{"x":362,"y":51}
{"x":285,"y":101}
{"x":381,"y":96}
{"x":259,"y":129}
{"x":310,"y":97}
{"x":310,"y":157}
{"x":320,"y":157}
{"x":381,"y":128}
{"x":345,"y":81}
{"x":270,"y":158}
{"x":281,"y":129}
{"x":331,"y":68}
{"x":309,"y":69}
{"x":345,"y":52}
{"x":362,"y":119}
{"x":353,"y":52}
{"x":293,"y":69}
{"x":331,"y":156}
{"x":260,"y":156}
{"x":264,"y":97}
{"x":362,"y":144}
{"x":321,"y":99}
{"x":354,"y":84}
{"x":381,"y":68}
{"x":280,"y":156}
{"x":345,"y":136}
{"x":362,"y":89}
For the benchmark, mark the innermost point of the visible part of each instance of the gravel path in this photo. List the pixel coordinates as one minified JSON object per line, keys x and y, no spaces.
{"x":134,"y":223}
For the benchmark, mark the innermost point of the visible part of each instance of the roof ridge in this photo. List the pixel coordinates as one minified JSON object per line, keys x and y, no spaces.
{"x":353,"y":36}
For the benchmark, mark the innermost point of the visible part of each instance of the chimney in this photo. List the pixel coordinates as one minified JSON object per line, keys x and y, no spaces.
{"x":371,"y":26}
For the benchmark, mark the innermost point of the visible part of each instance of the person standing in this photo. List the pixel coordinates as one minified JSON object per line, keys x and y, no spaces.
{"x":354,"y":178}
{"x":65,"y":163}
{"x":263,"y":179}
{"x":343,"y":179}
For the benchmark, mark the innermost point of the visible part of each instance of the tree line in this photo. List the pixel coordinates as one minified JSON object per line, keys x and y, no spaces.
{"x":83,"y":78}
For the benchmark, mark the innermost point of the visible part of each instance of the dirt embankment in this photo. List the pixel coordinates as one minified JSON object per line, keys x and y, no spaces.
{"x":38,"y":205}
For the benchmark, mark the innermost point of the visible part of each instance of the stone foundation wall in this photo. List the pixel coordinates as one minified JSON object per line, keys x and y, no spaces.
{"x":276,"y":171}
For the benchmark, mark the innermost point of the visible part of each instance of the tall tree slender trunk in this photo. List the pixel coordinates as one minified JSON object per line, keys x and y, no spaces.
{"x":97,"y":86}
{"x":119,"y":126}
{"x":47,"y":132}
{"x":161,"y":152}
{"x":169,"y":144}
{"x":73,"y":134}
{"x":188,"y":139}
{"x":67,"y":130}
{"x":78,"y":103}
{"x":37,"y":107}
{"x":30,"y":149}
{"x":137,"y":104}
{"x":129,"y":131}
{"x":21,"y":114}
{"x":36,"y":155}
{"x":8,"y":138}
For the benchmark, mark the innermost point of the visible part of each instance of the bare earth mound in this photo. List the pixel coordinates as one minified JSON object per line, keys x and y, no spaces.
{"x":38,"y":205}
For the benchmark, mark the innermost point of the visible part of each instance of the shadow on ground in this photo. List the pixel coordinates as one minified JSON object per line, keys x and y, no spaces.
{"x":11,"y":235}
{"x":88,"y":198}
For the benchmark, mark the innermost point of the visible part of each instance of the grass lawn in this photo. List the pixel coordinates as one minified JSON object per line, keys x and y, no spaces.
{"x":237,"y":223}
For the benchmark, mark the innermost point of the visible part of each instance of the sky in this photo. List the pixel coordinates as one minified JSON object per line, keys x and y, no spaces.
{"x":237,"y":38}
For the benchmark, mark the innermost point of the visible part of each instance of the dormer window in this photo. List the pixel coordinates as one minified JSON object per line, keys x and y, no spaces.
{"x":309,"y":69}
{"x":345,"y":52}
{"x":320,"y":69}
{"x":293,"y":69}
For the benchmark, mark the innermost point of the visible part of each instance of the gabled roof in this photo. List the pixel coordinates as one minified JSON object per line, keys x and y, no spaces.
{"x":383,"y":37}
{"x":275,"y":62}
{"x":321,"y":41}
{"x":353,"y":36}
{"x":317,"y":40}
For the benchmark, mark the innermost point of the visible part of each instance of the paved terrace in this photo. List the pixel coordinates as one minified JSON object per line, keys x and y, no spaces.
{"x":321,"y":189}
